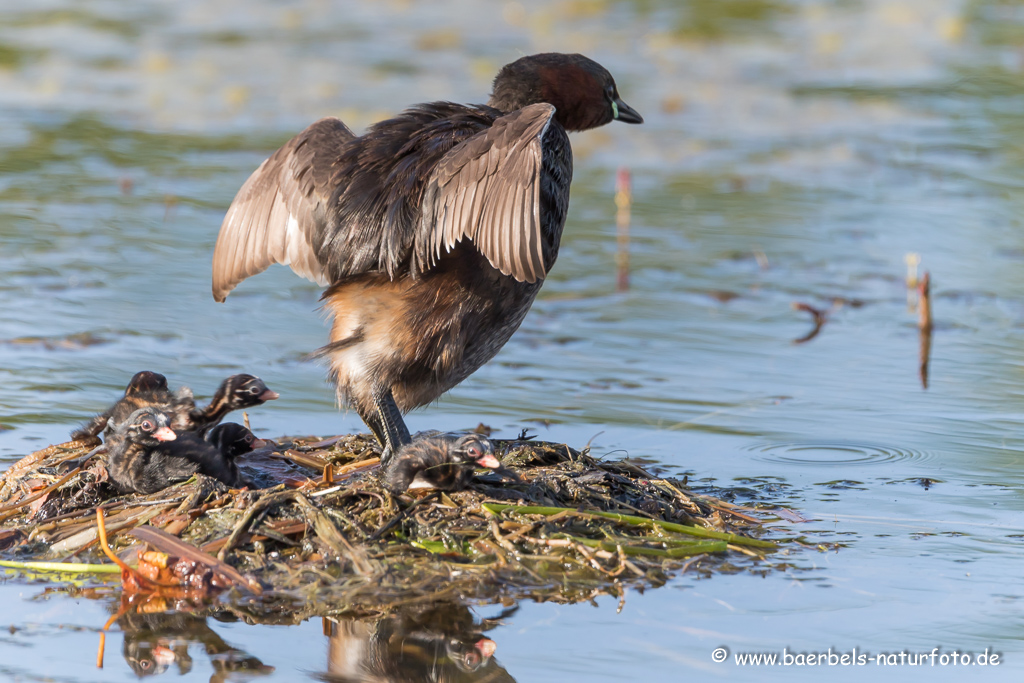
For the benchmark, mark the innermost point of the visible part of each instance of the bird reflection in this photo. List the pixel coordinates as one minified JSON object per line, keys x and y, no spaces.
{"x":155,"y":642}
{"x":442,"y":643}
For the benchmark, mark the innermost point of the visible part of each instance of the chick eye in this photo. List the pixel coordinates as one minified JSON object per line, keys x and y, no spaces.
{"x":147,"y":426}
{"x":249,"y":438}
{"x":254,"y":390}
{"x":474,"y":452}
{"x":145,"y":664}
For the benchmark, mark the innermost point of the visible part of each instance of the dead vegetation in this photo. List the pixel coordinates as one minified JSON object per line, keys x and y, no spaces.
{"x":324,"y":536}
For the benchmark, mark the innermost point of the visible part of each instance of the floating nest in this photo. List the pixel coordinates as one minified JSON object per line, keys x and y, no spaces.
{"x":323,"y":536}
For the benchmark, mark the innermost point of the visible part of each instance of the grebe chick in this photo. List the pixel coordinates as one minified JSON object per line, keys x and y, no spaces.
{"x":234,"y":393}
{"x":144,"y":455}
{"x":233,"y":440}
{"x":439,"y":461}
{"x":130,"y":450}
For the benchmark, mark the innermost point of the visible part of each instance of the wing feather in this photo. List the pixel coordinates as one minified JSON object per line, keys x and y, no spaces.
{"x":486,"y":189}
{"x":515,"y":235}
{"x":277,"y":215}
{"x":533,"y":245}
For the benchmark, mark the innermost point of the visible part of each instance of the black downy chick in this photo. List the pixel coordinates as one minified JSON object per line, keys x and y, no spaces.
{"x":144,"y":455}
{"x":233,"y":440}
{"x":190,"y":452}
{"x":145,"y":380}
{"x":234,"y":393}
{"x":440,"y":461}
{"x":131,"y":448}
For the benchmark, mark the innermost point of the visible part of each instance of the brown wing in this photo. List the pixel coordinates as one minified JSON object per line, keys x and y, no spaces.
{"x":280,"y":210}
{"x":487,"y":189}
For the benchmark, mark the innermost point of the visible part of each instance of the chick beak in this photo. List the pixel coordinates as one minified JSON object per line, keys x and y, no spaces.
{"x":486,"y":647}
{"x":164,"y":434}
{"x":488,"y":460}
{"x":269,"y":395}
{"x":626,"y":113}
{"x":163,"y":656}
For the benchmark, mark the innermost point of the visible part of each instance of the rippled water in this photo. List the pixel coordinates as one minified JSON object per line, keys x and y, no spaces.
{"x":844,"y":455}
{"x":793,"y":152}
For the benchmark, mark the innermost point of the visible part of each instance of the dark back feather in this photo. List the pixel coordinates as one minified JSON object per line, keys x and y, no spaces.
{"x":380,"y":179}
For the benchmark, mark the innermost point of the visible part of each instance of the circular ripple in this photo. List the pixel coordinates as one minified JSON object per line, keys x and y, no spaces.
{"x":833,"y":454}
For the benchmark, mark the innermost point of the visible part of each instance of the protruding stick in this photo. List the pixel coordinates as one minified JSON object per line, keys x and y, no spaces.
{"x":623,"y":200}
{"x":101,"y":530}
{"x":925,"y":302}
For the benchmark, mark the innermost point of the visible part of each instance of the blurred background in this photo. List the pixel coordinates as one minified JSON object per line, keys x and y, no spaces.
{"x":793,"y":151}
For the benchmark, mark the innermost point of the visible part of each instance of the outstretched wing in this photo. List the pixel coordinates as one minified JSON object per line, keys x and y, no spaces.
{"x":487,"y":189}
{"x":280,"y":210}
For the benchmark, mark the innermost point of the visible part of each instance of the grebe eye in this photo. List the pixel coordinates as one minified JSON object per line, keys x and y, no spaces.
{"x":147,"y":426}
{"x":474,"y":452}
{"x":254,"y":390}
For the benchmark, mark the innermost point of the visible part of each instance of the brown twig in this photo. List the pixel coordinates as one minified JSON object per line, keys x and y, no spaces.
{"x":924,"y":290}
{"x":819,"y":316}
{"x":311,"y":460}
{"x":242,"y":526}
{"x":101,"y":530}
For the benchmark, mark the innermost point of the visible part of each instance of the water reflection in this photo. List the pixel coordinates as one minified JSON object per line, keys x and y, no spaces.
{"x":439,"y":642}
{"x":153,"y":643}
{"x":442,"y":642}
